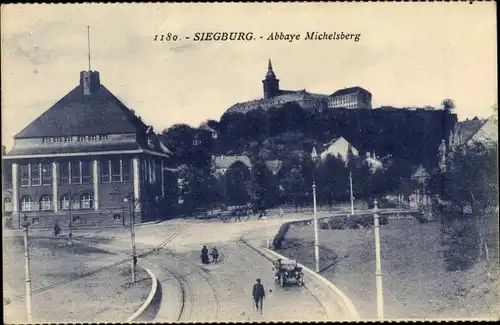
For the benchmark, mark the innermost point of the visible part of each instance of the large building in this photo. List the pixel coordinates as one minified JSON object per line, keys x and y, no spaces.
{"x":88,"y":156}
{"x":353,"y":97}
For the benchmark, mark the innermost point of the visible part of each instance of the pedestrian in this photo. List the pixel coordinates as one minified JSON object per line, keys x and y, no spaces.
{"x":215,"y":255}
{"x":280,"y":213}
{"x":258,"y":294}
{"x":57,"y":229}
{"x":204,"y":255}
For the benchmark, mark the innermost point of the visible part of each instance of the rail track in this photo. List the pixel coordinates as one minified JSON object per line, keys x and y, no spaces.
{"x":103,"y":268}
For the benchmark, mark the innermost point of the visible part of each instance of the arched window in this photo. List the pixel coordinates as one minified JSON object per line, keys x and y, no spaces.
{"x":86,"y":201}
{"x":65,"y":202}
{"x":7,"y":203}
{"x":26,"y":203}
{"x":46,"y":203}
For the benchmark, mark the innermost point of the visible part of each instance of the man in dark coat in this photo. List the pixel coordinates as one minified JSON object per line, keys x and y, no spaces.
{"x":258,"y":294}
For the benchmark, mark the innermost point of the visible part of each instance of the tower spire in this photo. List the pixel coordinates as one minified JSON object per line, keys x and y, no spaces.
{"x":270,"y":66}
{"x":88,"y":43}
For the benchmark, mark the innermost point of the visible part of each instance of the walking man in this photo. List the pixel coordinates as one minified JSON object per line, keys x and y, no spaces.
{"x":258,"y":294}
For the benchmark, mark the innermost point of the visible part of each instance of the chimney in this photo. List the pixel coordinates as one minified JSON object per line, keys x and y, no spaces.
{"x":89,"y":82}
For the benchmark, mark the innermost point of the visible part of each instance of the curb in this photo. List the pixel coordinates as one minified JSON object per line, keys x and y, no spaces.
{"x":346,"y":303}
{"x":150,"y":307}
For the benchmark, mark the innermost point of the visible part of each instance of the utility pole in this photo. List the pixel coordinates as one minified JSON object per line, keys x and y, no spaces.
{"x":316,"y":242}
{"x":133,"y":260}
{"x":378,"y":267}
{"x":352,"y":196}
{"x":27,"y":280}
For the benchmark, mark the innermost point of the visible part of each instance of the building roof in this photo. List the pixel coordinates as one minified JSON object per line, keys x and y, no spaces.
{"x":79,"y":114}
{"x":350,"y":90}
{"x":420,"y":172}
{"x":274,"y":166}
{"x":465,"y":130}
{"x":224,"y":162}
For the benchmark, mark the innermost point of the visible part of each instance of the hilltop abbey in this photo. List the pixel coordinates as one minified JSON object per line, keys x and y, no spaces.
{"x":353,"y":97}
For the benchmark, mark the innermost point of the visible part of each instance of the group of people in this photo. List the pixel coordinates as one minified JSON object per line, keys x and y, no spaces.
{"x":204,"y":255}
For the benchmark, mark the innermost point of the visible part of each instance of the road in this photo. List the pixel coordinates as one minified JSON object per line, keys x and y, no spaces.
{"x":216,"y":292}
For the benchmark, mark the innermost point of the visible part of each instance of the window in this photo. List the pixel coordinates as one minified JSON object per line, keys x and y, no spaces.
{"x":76,"y":172}
{"x":86,"y":201}
{"x":153,"y":171}
{"x":68,"y":139}
{"x":25,"y":175}
{"x":105,"y":171}
{"x":65,"y":173}
{"x":35,"y":221}
{"x":92,"y":137}
{"x":117,"y":217}
{"x":7,"y":203}
{"x":46,"y":203}
{"x":57,"y":139}
{"x":86,"y":172}
{"x":116,"y":170}
{"x":80,"y":138}
{"x":75,"y":218}
{"x":65,"y":202}
{"x":46,"y":174}
{"x":127,"y":169}
{"x":103,"y":137}
{"x":26,"y":204}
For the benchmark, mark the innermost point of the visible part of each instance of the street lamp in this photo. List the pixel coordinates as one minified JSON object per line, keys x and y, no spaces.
{"x":316,"y":243}
{"x":132,"y":203}
{"x":72,"y":195}
{"x":352,"y":196}
{"x":378,"y":267}
{"x":27,"y":280}
{"x":157,"y":213}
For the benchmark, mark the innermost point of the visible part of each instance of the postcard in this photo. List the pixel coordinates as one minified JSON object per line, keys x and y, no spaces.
{"x":249,"y":162}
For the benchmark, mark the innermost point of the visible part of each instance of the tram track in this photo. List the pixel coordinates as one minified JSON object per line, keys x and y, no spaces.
{"x":103,"y":268}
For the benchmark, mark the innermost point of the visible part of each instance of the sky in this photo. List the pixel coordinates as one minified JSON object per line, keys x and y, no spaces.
{"x":408,"y":54}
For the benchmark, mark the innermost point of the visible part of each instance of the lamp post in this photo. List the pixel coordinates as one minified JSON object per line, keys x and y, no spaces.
{"x":352,"y":196}
{"x":316,"y":243}
{"x":378,"y":267}
{"x":72,"y":195}
{"x":27,"y":280}
{"x":132,"y":202}
{"x":157,"y":213}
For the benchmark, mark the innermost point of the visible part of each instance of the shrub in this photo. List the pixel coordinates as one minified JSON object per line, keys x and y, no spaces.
{"x":324,"y":225}
{"x":339,"y":222}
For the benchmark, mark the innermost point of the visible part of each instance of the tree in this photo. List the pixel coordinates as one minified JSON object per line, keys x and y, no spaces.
{"x":448,"y":104}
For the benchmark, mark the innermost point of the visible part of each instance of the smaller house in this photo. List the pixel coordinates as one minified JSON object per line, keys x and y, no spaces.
{"x":339,"y":147}
{"x":373,"y":162}
{"x":213,"y":132}
{"x":221,"y":164}
{"x":476,"y":130}
{"x":274,"y":166}
{"x":421,"y":175}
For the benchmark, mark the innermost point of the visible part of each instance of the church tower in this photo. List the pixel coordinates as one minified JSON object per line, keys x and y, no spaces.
{"x":271,"y":84}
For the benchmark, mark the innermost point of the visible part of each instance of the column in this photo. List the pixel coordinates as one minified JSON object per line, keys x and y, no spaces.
{"x":162,"y":179}
{"x":55,"y":196}
{"x":95,"y":182}
{"x":137,"y":180}
{"x":15,"y":189}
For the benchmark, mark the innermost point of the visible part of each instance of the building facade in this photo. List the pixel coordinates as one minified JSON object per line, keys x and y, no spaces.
{"x":354,"y":97}
{"x":88,"y":159}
